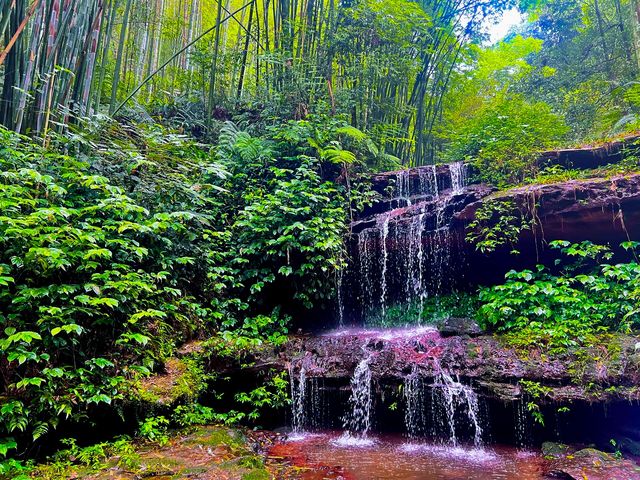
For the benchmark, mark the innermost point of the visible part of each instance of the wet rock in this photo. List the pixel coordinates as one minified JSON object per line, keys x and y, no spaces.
{"x":553,"y":449}
{"x":486,"y":361}
{"x":593,"y":464}
{"x":459,"y":326}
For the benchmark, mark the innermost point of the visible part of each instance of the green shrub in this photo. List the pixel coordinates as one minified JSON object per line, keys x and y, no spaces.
{"x":90,"y":287}
{"x":565,"y":310}
{"x":503,"y":139}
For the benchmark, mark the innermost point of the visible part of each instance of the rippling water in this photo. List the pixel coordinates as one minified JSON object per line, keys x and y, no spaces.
{"x":329,"y":456}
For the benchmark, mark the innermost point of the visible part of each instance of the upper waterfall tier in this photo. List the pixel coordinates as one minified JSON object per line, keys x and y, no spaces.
{"x":414,"y":244}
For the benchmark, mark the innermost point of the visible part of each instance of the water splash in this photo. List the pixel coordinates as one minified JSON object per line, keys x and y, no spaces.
{"x":469,"y":455}
{"x":458,"y":171}
{"x":387,"y":334}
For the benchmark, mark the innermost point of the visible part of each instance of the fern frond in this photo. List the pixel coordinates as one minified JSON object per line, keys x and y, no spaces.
{"x":352,"y":132}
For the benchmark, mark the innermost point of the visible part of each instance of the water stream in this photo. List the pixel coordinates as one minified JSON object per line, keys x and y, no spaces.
{"x":357,"y":422}
{"x":459,"y":402}
{"x":298,"y":397}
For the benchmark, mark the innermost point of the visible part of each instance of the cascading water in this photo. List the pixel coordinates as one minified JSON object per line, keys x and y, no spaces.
{"x":428,"y":178}
{"x":415,"y":407}
{"x":405,"y":256}
{"x":357,"y":422}
{"x":403,"y":187}
{"x":298,"y":394}
{"x":458,"y":171}
{"x":455,"y":398}
{"x":415,"y":287}
{"x":384,"y":233}
{"x":366,"y":270}
{"x":339,"y":279}
{"x":522,"y":424}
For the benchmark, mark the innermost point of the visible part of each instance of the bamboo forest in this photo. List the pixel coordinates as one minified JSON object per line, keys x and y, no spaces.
{"x":320,"y":239}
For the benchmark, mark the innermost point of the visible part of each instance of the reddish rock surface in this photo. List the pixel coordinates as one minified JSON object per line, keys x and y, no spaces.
{"x":588,"y":157}
{"x":493,"y":367}
{"x":600,"y":210}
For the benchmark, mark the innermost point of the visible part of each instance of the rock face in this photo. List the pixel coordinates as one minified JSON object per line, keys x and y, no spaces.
{"x":591,"y":157}
{"x":591,"y":464}
{"x":596,"y":209}
{"x":605,"y":211}
{"x":494,"y":369}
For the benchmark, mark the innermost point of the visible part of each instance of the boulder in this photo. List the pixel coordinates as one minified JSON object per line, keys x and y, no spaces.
{"x":592,"y":464}
{"x":553,"y":449}
{"x":451,"y":326}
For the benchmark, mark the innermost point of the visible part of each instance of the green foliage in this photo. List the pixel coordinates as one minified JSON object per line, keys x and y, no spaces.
{"x":72,"y":459}
{"x":291,"y":219}
{"x":592,"y":47}
{"x":116,"y":255}
{"x":496,"y":223}
{"x":193,"y":414}
{"x":273,"y":394}
{"x":560,"y":311}
{"x":91,"y":287}
{"x":154,"y":429}
{"x":503,"y":138}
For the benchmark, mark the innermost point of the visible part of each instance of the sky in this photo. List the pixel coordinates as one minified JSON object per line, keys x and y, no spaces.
{"x":498,"y":30}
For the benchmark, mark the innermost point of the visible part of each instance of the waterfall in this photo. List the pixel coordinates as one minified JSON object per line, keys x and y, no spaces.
{"x":458,"y":171}
{"x":414,"y":259}
{"x":414,"y":414}
{"x":384,"y":233}
{"x":298,"y":392}
{"x":358,"y":422}
{"x":428,"y":177}
{"x":456,"y":397}
{"x":403,"y":187}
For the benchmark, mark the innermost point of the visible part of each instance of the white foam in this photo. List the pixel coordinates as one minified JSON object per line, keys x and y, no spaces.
{"x":301,"y":436}
{"x":350,"y":441}
{"x":382,"y":334}
{"x":471,"y":455}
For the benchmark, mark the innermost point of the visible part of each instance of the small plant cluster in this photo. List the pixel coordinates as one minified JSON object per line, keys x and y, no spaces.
{"x":534,"y":391}
{"x":589,"y":295}
{"x":497,"y":223}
